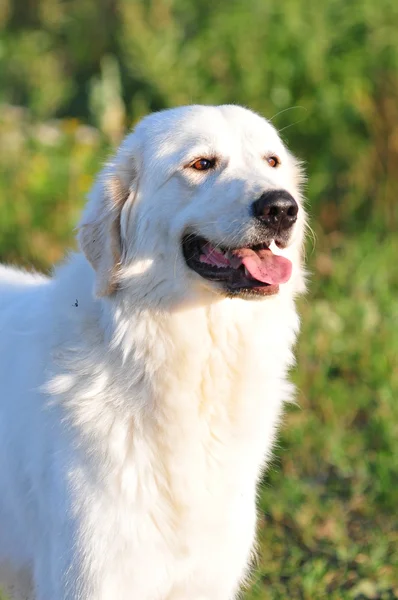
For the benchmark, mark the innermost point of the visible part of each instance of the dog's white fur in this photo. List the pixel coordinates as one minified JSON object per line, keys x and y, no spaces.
{"x":135,"y":419}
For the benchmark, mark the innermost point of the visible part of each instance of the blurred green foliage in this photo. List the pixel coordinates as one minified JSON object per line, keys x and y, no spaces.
{"x":75,"y":74}
{"x":333,"y":63}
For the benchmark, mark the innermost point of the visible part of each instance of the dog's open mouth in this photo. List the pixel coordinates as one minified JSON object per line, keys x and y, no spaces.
{"x":244,"y":271}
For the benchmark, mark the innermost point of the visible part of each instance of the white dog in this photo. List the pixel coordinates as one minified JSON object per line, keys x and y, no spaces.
{"x":141,"y":386}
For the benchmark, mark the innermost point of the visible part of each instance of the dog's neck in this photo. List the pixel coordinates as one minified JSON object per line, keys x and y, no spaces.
{"x":169,"y":372}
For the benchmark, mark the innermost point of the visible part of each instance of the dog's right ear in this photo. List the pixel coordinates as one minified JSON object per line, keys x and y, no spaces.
{"x":99,"y":230}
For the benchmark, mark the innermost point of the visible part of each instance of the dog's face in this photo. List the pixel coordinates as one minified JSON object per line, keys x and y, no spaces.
{"x":199,"y":200}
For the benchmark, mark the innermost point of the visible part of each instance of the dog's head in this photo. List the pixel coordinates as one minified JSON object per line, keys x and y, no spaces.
{"x":198,"y":200}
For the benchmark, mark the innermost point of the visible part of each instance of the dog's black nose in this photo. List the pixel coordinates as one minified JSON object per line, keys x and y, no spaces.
{"x":276,"y":209}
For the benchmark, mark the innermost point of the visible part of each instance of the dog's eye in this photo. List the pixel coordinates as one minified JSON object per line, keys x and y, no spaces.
{"x":273,"y":161}
{"x":203,"y":164}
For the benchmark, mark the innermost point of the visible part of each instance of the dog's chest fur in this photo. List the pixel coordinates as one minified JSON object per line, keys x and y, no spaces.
{"x":177,"y":441}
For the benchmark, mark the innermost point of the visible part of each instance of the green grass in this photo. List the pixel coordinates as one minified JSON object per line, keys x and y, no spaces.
{"x":328,"y":504}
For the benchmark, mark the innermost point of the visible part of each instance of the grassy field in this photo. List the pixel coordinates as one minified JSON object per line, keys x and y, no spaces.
{"x":328,"y":505}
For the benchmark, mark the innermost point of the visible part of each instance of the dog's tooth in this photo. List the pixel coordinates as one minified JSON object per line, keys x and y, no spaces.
{"x":273,"y":246}
{"x":247,"y":273}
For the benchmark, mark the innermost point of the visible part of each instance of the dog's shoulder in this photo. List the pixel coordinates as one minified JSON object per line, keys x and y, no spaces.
{"x":14,"y":277}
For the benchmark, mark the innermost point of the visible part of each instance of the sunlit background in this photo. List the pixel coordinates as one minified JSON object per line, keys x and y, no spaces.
{"x":75,"y":75}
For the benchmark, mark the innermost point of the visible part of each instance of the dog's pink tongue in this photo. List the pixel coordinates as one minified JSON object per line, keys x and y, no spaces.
{"x":265,"y":266}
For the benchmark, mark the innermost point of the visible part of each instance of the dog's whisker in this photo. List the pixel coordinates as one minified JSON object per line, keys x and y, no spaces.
{"x":286,"y":110}
{"x":313,"y":237}
{"x":292,"y":124}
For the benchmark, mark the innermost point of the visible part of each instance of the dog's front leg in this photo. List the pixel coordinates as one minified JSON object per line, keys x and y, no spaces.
{"x":197,"y":591}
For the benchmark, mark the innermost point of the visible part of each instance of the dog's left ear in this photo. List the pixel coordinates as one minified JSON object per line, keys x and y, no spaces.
{"x":99,"y":230}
